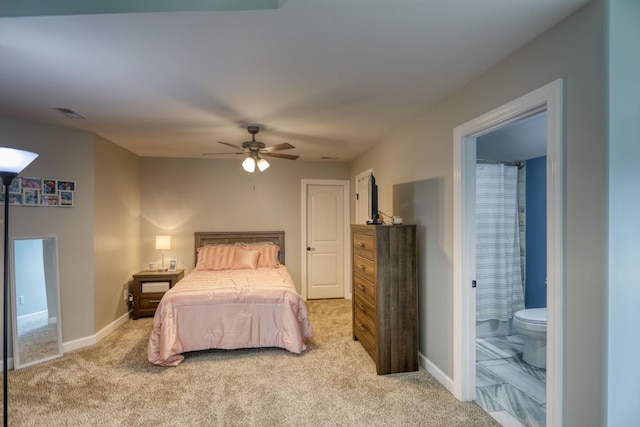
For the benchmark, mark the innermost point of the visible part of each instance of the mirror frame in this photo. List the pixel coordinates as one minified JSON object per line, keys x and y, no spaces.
{"x":17,"y":364}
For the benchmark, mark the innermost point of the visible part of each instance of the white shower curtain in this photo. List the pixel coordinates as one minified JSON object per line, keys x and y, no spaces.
{"x":499,"y":291}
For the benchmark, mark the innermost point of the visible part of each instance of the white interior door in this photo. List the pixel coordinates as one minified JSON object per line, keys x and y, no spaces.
{"x":325,"y":241}
{"x":362,"y":196}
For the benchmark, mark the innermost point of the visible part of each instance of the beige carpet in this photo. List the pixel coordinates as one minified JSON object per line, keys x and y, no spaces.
{"x":333,"y":383}
{"x":38,"y":344}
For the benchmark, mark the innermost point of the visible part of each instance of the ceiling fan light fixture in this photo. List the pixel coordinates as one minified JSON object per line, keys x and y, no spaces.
{"x":263,"y":165}
{"x":249,"y":164}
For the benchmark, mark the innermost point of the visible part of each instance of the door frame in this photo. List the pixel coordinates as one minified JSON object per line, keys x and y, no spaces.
{"x":358,"y":177}
{"x":303,"y":234}
{"x":549,"y":98}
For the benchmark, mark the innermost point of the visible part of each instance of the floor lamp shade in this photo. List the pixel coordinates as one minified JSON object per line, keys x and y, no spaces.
{"x":12,"y":162}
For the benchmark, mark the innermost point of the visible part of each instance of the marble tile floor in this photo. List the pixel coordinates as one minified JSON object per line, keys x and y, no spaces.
{"x":510,"y":390}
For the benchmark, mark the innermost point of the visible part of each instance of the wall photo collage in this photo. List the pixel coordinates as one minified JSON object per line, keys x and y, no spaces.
{"x":26,"y":191}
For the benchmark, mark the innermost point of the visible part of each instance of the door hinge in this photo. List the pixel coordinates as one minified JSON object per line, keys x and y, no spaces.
{"x":473,"y":283}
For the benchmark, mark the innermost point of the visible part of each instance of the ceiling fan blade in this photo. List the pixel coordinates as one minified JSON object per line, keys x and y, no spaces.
{"x":284,"y":146}
{"x":281,"y":156}
{"x":230,"y":145}
{"x":219,"y":154}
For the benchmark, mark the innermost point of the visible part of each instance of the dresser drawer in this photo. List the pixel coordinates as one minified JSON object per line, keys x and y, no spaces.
{"x":364,"y":245}
{"x":366,"y":333}
{"x":365,"y":311}
{"x":364,"y":267}
{"x":150,"y":301}
{"x":364,"y":290}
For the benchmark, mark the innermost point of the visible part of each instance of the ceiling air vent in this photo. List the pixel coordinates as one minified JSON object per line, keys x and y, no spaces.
{"x":68,"y":112}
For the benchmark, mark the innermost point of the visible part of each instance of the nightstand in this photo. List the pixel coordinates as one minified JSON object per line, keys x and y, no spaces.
{"x":148,"y":289}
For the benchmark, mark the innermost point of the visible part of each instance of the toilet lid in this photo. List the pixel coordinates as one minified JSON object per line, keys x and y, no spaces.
{"x":532,"y":315}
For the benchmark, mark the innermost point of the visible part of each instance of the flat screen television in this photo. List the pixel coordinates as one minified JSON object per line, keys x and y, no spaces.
{"x":373,"y":201}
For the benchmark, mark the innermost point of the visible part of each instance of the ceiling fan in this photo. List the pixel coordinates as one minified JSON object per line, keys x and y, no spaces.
{"x":254,"y":149}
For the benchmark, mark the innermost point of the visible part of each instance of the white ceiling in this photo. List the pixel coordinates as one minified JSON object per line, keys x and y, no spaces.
{"x":523,"y":139}
{"x":331,"y":77}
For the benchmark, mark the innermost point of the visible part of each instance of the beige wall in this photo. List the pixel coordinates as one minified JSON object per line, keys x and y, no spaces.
{"x":116,"y":234}
{"x":65,"y":154}
{"x":182,"y":196}
{"x":414,"y":168}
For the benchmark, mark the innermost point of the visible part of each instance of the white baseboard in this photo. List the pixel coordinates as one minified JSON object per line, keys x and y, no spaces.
{"x":9,"y":364}
{"x":440,"y":376}
{"x":83,"y":342}
{"x":94,"y":339}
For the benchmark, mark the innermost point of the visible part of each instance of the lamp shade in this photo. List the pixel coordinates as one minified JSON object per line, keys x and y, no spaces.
{"x":13,"y":160}
{"x":263,"y":165}
{"x":163,"y":242}
{"x":249,"y":164}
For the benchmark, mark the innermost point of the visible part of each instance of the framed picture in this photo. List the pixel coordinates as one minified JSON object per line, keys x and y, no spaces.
{"x":32,"y":191}
{"x":49,"y":186}
{"x":30,"y":183}
{"x":173,"y":264}
{"x":49,"y":200}
{"x":64,"y":185}
{"x":66,"y":198}
{"x":30,"y":197}
{"x":15,"y":199}
{"x":15,"y":185}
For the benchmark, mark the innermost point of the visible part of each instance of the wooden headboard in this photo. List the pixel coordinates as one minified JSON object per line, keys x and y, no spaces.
{"x":204,"y":238}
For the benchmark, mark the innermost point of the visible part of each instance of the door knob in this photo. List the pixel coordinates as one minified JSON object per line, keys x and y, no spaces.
{"x":309,"y":248}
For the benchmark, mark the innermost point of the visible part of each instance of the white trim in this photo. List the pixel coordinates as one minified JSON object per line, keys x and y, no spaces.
{"x":9,"y":363}
{"x":463,"y":255}
{"x":303,"y":234}
{"x":94,"y":339}
{"x":549,"y":98}
{"x":38,"y":315}
{"x":435,"y":372}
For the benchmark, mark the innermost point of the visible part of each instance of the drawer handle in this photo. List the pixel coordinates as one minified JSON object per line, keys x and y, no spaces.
{"x":361,"y":244}
{"x":362,"y":308}
{"x":361,"y":267}
{"x":362,"y":288}
{"x":154,"y":300}
{"x":362,"y":327}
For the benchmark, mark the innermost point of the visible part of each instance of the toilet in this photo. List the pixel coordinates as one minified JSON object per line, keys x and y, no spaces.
{"x":532,"y":323}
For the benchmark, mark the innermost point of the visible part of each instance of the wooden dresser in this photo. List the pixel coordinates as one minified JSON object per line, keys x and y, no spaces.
{"x":385,"y":295}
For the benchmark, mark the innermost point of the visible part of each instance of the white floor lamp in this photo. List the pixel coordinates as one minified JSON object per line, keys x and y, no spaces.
{"x":12,"y":162}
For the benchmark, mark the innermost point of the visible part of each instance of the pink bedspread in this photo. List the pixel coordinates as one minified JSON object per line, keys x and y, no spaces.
{"x":229,"y":309}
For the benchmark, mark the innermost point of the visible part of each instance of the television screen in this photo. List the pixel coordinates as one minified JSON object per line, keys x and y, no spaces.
{"x":373,"y":201}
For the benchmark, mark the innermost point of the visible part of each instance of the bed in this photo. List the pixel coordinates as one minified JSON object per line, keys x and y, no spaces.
{"x":239,"y":295}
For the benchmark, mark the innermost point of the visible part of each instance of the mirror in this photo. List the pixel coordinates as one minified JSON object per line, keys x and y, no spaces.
{"x":37,"y":335}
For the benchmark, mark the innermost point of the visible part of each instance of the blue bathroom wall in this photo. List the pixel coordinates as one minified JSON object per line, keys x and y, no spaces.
{"x":536,"y":233}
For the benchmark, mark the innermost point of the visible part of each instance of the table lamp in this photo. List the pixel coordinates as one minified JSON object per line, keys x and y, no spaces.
{"x":163,"y":242}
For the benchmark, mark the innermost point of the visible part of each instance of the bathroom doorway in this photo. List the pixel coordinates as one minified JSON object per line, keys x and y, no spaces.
{"x":547,"y":98}
{"x":511,"y":269}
